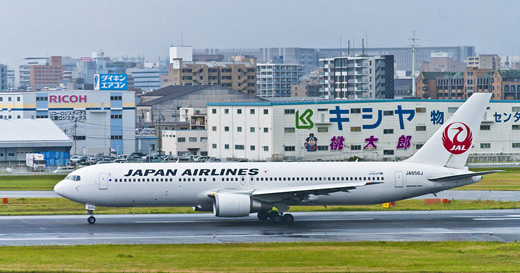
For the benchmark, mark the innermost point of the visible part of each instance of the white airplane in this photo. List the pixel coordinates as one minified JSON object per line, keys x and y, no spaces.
{"x":238,"y":189}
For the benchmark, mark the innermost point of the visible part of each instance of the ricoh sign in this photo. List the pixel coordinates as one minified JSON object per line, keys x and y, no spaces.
{"x":67,"y":98}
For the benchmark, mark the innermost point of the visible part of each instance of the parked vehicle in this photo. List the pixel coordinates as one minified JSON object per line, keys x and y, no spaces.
{"x":64,"y":169}
{"x":35,"y":162}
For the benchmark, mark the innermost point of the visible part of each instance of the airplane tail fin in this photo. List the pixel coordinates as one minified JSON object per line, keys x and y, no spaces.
{"x":450,"y":145}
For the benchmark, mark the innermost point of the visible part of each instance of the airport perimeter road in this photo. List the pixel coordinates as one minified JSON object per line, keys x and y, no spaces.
{"x":488,"y":225}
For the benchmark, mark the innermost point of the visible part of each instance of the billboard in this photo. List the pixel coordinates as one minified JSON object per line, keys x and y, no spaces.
{"x":110,"y":82}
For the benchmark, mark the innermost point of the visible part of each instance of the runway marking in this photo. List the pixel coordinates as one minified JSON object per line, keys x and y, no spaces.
{"x":217,"y":236}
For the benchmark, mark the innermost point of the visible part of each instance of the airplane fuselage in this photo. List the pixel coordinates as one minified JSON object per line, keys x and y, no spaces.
{"x":188,"y":184}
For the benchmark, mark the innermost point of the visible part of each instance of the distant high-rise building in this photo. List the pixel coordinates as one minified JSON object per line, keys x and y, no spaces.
{"x":3,"y":77}
{"x":238,"y":75}
{"x":309,"y":57}
{"x":25,"y":70}
{"x":11,"y":83}
{"x":484,"y":61}
{"x":46,"y":76}
{"x":360,"y":77}
{"x":149,"y":78}
{"x":442,"y":62}
{"x":275,"y":79}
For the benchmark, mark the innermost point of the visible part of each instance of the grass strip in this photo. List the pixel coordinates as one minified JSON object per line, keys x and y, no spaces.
{"x":60,"y":206}
{"x":268,"y":257}
{"x":29,"y":182}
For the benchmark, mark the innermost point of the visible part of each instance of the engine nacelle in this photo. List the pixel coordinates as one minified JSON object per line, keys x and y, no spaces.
{"x":236,"y":205}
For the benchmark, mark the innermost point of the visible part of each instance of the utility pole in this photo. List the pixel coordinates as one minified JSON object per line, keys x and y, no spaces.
{"x":414,"y":93}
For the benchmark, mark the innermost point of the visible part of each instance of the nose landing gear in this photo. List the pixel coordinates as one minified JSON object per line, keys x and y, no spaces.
{"x":90,"y":211}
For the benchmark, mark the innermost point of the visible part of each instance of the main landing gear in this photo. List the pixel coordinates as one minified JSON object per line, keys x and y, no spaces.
{"x":275,"y":217}
{"x":90,"y":211}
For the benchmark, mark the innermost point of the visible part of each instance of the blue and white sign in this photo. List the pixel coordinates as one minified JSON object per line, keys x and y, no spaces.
{"x":111,"y":82}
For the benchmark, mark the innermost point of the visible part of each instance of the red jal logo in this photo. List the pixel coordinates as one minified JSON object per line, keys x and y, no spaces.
{"x":457,"y":138}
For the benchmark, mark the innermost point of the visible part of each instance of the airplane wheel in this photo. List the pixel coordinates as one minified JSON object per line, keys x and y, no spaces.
{"x":263,"y":215}
{"x":288,"y":218}
{"x":91,"y":220}
{"x":275,"y":217}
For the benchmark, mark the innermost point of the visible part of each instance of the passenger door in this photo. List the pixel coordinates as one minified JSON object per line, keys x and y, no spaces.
{"x":399,"y":179}
{"x":103,"y":181}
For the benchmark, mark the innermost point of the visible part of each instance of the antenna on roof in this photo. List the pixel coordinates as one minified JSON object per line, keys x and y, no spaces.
{"x":363,"y":46}
{"x":348,"y":48}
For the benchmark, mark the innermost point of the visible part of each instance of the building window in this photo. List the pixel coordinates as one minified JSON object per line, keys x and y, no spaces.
{"x":355,"y":110}
{"x":252,"y":111}
{"x":388,"y":152}
{"x":516,"y":109}
{"x":418,"y":110}
{"x":192,"y":139}
{"x":226,"y":146}
{"x":388,"y":131}
{"x":266,"y":148}
{"x":452,"y":109}
{"x":79,"y":138}
{"x":226,"y":129}
{"x":203,"y":139}
{"x":116,"y":97}
{"x":485,"y":145}
{"x":239,"y":147}
{"x":323,"y":129}
{"x":355,"y":129}
{"x":266,"y":130}
{"x":239,"y":129}
{"x":289,"y":130}
{"x":516,"y":145}
{"x":289,"y":111}
{"x":290,"y":148}
{"x":516,"y":127}
{"x":418,"y":146}
{"x":266,"y":111}
{"x":388,"y":113}
{"x":213,"y":111}
{"x":251,"y":129}
{"x":485,"y":127}
{"x":116,"y":137}
{"x":239,"y":111}
{"x":226,"y":111}
{"x":214,"y":146}
{"x":116,"y":116}
{"x":420,"y":128}
{"x":214,"y":128}
{"x":323,"y":147}
{"x":181,"y":139}
{"x":355,"y":147}
{"x":252,"y":147}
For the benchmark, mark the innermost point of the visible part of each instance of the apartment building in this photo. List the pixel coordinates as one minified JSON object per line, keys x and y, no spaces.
{"x":359,"y":77}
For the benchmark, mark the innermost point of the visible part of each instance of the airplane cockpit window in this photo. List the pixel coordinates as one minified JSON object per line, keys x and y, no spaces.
{"x":73,"y":177}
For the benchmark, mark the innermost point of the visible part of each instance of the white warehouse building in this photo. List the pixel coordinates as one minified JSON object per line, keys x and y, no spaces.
{"x":338,"y":130}
{"x":97,"y":122}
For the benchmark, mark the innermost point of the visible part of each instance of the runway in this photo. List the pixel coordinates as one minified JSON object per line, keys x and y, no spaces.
{"x":479,"y":225}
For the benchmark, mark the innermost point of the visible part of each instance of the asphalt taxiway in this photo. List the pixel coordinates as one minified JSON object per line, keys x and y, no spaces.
{"x":477,"y":225}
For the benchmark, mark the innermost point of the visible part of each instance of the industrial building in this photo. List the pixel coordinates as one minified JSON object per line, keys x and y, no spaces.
{"x":22,"y":136}
{"x":98,"y":122}
{"x":339,"y":130}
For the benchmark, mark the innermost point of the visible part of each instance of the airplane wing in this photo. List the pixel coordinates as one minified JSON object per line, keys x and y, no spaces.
{"x":460,"y":176}
{"x":299,"y":193}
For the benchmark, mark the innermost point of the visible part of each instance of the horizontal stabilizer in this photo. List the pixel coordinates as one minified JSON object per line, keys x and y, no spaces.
{"x":460,"y":176}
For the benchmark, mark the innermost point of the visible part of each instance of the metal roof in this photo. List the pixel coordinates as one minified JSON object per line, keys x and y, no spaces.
{"x":32,"y":133}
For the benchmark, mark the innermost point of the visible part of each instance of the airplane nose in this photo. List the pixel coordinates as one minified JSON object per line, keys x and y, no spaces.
{"x":60,"y":188}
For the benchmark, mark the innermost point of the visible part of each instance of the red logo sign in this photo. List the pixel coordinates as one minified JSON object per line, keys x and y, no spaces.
{"x":457,"y":138}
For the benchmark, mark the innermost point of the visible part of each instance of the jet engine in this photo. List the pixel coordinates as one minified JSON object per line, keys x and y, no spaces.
{"x":237,"y":205}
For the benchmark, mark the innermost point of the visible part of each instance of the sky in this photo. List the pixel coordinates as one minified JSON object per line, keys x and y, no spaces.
{"x":31,"y":28}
